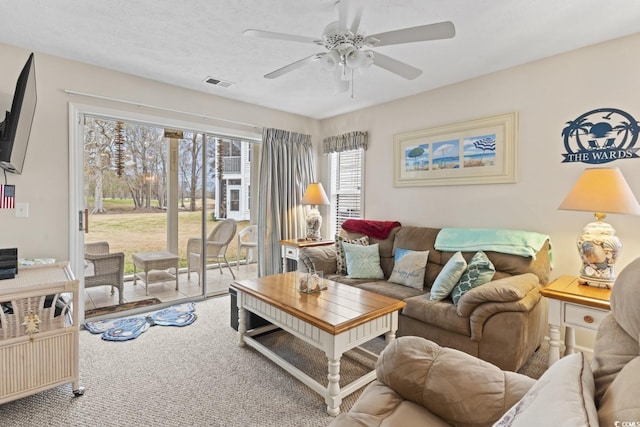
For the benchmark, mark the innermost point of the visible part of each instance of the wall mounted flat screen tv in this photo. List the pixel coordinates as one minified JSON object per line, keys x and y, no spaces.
{"x":16,"y":127}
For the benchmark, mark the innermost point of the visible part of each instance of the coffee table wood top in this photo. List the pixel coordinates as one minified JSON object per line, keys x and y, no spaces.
{"x":336,"y":309}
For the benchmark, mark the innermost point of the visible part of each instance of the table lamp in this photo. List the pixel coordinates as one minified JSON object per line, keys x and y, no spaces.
{"x":600,"y":190}
{"x":314,"y":196}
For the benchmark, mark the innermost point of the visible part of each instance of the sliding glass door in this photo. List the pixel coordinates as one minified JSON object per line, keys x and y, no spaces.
{"x":151,"y":196}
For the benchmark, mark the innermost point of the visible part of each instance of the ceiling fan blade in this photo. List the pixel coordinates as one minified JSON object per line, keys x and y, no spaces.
{"x":355,"y":23}
{"x":349,"y":15}
{"x":342,"y":6}
{"x":281,"y":36}
{"x":441,"y":30}
{"x":395,"y":66}
{"x":294,"y":65}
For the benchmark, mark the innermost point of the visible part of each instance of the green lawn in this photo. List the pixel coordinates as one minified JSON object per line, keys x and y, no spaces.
{"x":129,"y":231}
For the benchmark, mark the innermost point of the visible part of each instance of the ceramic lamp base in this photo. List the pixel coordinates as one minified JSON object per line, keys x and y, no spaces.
{"x":599,"y":249}
{"x":314,"y":222}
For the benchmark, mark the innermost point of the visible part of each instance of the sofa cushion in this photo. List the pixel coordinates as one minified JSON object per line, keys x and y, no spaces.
{"x":563,"y":396}
{"x":341,"y":263}
{"x":619,"y":332}
{"x":478,"y":272}
{"x":363,"y":262}
{"x":621,"y":402}
{"x":389,"y":289}
{"x":613,"y":349}
{"x":321,"y":258}
{"x":431,"y":376}
{"x":409,"y":267}
{"x":448,"y":277}
{"x":442,"y":314}
{"x":624,"y":299}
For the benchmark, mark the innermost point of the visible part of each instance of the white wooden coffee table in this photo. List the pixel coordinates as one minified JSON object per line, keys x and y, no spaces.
{"x":336,"y":320}
{"x":155,"y":266}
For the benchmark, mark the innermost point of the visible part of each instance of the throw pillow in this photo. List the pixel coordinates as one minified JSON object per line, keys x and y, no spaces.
{"x":363,"y":262}
{"x":448,"y":277}
{"x":479,"y":271}
{"x":409,"y":268}
{"x":563,"y":396}
{"x":340,"y":259}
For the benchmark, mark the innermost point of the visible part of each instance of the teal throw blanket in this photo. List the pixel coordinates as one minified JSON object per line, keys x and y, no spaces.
{"x":515,"y":242}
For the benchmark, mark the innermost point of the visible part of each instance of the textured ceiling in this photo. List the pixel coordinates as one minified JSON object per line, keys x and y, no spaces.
{"x":184,"y":42}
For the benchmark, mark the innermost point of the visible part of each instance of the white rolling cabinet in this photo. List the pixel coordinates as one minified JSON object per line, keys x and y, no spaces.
{"x":38,"y":331}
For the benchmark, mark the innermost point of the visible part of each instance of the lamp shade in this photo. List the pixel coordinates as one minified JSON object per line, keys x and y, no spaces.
{"x":315,"y":195}
{"x":601,"y":190}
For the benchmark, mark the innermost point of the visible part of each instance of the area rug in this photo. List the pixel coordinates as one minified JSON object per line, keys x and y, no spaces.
{"x":100,"y":311}
{"x":129,"y":328}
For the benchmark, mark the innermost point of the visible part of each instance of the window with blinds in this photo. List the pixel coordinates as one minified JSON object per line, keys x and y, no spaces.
{"x":347,"y":176}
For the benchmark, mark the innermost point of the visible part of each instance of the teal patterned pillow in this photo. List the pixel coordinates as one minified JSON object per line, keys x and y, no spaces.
{"x":341,"y":262}
{"x":363,"y":262}
{"x":479,"y":271}
{"x":409,"y":268}
{"x":448,"y":277}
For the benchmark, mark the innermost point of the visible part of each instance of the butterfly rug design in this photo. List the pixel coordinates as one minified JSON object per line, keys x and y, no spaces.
{"x":129,"y":328}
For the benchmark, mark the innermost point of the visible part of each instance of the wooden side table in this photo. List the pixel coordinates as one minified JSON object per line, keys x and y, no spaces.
{"x":573,"y":305}
{"x":291,"y":248}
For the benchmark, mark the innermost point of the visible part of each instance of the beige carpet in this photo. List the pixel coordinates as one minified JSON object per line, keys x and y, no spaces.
{"x":191,"y":376}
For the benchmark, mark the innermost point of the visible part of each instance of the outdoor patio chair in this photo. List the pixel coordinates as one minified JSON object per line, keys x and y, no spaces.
{"x":250,"y":236}
{"x":216,"y":247}
{"x":108,"y":268}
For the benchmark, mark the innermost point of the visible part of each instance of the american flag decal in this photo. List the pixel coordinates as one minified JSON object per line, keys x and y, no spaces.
{"x":7,"y":196}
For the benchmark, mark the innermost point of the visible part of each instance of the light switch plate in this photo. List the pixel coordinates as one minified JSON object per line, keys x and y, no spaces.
{"x":22,"y":210}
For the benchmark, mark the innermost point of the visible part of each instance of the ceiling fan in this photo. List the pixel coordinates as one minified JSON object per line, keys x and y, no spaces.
{"x":348,"y":50}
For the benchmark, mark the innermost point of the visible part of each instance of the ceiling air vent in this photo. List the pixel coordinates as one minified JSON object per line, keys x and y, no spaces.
{"x":217,"y":82}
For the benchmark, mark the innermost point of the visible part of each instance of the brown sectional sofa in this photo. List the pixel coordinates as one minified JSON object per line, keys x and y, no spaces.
{"x":502,"y":322}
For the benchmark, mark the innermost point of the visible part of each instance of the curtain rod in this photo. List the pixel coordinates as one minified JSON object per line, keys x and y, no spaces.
{"x":171,"y":110}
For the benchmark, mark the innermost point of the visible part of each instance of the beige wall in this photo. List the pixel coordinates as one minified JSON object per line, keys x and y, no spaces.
{"x":44,"y":183}
{"x":546,"y":94}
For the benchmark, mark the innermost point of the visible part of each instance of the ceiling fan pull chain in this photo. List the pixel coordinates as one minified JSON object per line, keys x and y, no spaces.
{"x":352,"y":83}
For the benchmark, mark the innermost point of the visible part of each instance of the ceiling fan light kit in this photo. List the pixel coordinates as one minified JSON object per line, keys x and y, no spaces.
{"x":344,"y":45}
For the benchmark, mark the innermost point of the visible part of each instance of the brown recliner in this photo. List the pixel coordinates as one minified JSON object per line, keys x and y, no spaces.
{"x":421,"y":383}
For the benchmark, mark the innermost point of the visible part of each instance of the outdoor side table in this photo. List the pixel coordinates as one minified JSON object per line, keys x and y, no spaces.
{"x":155,"y":266}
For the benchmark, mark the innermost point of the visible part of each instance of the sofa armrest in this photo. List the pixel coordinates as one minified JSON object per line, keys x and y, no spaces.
{"x":318,"y":258}
{"x":508,"y":289}
{"x":519,"y":293}
{"x":424,"y":373}
{"x":379,"y":405}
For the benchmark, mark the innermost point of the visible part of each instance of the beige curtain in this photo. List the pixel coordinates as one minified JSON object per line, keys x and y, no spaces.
{"x":286,"y":168}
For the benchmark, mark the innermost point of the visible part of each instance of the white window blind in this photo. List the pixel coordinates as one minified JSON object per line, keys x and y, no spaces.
{"x":347,"y":173}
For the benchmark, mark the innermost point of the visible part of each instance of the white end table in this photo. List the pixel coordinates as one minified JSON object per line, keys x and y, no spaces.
{"x":291,"y":248}
{"x":573,"y":304}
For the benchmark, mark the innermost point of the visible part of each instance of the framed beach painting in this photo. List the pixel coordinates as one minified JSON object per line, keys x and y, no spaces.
{"x":481,"y":151}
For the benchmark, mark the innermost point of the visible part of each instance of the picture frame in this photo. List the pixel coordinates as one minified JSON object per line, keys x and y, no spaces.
{"x":480,"y":151}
